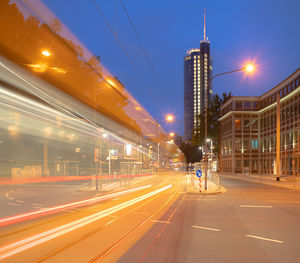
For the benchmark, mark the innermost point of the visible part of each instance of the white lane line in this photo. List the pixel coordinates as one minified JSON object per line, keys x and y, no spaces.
{"x":266,"y":239}
{"x":160,"y":221}
{"x":36,"y":204}
{"x":141,"y":213}
{"x":206,"y":228}
{"x":109,"y":185}
{"x":14,"y":204}
{"x":19,"y":201}
{"x":283,"y":201}
{"x":256,"y":206}
{"x":35,"y":240}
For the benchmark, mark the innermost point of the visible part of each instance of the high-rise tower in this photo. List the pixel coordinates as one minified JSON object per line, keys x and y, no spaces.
{"x":197,"y":71}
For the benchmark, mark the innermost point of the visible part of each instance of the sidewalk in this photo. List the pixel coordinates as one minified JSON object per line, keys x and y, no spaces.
{"x":290,"y":182}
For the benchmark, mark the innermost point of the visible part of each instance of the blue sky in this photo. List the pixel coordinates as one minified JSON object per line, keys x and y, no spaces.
{"x":266,"y":31}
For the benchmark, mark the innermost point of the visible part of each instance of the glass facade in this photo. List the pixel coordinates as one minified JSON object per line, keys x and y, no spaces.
{"x":197,"y":69}
{"x":254,"y":120}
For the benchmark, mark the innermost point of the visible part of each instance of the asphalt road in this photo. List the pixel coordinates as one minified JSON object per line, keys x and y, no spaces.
{"x":248,"y":223}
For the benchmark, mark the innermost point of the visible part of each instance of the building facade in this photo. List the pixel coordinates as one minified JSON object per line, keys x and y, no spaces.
{"x":248,"y":131}
{"x":197,"y":69}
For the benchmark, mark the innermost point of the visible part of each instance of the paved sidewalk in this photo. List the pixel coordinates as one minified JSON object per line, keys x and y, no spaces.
{"x":290,"y":182}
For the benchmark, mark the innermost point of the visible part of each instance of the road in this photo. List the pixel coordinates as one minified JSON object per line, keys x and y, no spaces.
{"x":251,"y":222}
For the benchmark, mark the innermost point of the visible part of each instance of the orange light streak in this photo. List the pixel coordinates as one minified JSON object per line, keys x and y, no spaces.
{"x":51,"y":210}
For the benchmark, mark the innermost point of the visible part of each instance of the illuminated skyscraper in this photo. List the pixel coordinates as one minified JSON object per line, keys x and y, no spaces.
{"x":197,"y":71}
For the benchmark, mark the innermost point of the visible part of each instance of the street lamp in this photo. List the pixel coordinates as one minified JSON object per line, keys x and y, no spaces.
{"x":247,"y":68}
{"x":46,"y":53}
{"x":169,"y":118}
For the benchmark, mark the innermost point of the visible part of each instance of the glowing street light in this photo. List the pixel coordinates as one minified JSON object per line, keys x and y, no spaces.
{"x":169,"y":118}
{"x":46,"y":53}
{"x":172,"y":134}
{"x":249,"y":68}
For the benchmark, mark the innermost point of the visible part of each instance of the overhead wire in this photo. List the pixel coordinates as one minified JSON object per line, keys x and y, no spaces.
{"x":143,"y":49}
{"x":124,"y":51}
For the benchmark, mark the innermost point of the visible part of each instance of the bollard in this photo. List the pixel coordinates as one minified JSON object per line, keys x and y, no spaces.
{"x":200,"y":185}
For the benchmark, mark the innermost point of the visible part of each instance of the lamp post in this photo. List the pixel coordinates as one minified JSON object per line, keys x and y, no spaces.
{"x":211,"y":151}
{"x":247,"y":68}
{"x":168,"y":118}
{"x":278,"y":137}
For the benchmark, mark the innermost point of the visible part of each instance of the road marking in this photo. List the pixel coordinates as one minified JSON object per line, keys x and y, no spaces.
{"x":257,"y":206}
{"x":109,"y":185}
{"x":283,"y":201}
{"x":19,"y":201}
{"x":141,"y":213}
{"x":40,"y":238}
{"x":264,"y":238}
{"x":160,"y":221}
{"x":36,"y":204}
{"x":206,"y":228}
{"x":15,"y":204}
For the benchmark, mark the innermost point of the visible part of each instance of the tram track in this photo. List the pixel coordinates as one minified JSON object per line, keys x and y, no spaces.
{"x":25,"y":244}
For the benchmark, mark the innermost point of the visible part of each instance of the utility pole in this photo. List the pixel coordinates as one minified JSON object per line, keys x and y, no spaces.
{"x":278,"y":139}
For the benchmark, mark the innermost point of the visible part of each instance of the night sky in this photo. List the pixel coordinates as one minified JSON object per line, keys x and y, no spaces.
{"x":266,"y":32}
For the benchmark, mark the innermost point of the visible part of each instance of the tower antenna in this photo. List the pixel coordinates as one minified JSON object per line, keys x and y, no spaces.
{"x":204,"y":34}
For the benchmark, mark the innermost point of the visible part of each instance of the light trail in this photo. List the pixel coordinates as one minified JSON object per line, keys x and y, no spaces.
{"x":46,"y":211}
{"x":10,"y":180}
{"x":35,"y":240}
{"x":266,"y":239}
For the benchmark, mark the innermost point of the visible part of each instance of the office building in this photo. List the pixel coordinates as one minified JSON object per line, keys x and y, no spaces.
{"x":197,"y":70}
{"x":248,"y":131}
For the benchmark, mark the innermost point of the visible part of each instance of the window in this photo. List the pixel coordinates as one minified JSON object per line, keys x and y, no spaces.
{"x":247,"y":104}
{"x":238,"y":105}
{"x":237,"y":124}
{"x":254,"y":164}
{"x":254,"y":104}
{"x":238,"y":163}
{"x":238,"y":145}
{"x":254,"y":144}
{"x":246,"y":163}
{"x":246,"y":124}
{"x":246,"y":145}
{"x":254,"y":123}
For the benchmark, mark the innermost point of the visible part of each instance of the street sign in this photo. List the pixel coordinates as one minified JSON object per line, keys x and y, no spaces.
{"x":199,"y":173}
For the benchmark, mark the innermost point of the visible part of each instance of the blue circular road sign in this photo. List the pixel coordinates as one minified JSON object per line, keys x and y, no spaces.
{"x":199,"y":173}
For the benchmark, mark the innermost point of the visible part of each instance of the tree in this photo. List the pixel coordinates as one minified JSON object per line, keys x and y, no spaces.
{"x":213,"y":125}
{"x":191,"y":152}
